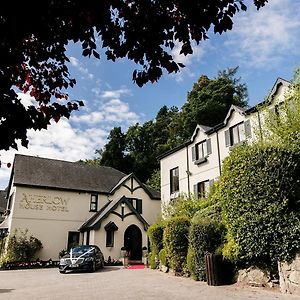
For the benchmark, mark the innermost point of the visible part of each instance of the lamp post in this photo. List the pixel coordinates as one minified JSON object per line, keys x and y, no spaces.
{"x":122,"y":210}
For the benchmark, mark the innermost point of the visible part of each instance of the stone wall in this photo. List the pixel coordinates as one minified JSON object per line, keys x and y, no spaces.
{"x":289,"y":276}
{"x":254,"y":277}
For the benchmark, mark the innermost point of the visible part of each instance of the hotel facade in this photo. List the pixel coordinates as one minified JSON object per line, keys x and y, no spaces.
{"x":194,"y":166}
{"x":64,"y":203}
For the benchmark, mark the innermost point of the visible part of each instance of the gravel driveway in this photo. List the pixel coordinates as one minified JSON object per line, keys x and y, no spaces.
{"x":119,"y":283}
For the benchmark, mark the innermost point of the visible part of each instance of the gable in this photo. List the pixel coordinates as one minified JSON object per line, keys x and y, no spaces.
{"x":120,"y":207}
{"x":130,"y":185}
{"x":198,"y":130}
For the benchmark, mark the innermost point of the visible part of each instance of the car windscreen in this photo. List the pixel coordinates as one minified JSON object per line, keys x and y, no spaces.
{"x":81,"y":250}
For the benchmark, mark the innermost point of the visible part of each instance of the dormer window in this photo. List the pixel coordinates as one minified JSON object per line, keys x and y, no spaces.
{"x":201,"y":151}
{"x":238,"y":133}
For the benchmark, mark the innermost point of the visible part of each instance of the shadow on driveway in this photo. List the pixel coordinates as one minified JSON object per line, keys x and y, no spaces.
{"x":2,"y":291}
{"x":105,"y":269}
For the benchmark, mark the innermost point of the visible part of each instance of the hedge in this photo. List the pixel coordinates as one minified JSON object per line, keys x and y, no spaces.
{"x":206,"y":236}
{"x":175,"y":241}
{"x":155,"y":234}
{"x":260,"y":204}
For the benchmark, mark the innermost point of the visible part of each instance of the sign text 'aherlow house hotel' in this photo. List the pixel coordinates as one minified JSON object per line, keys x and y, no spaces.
{"x":65,"y":203}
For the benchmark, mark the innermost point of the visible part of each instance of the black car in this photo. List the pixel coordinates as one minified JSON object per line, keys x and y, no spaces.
{"x":85,"y":257}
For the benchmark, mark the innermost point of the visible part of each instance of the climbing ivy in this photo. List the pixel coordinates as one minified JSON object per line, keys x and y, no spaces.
{"x":260,"y":198}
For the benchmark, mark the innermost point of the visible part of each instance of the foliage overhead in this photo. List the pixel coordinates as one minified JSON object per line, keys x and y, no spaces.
{"x":33,"y":49}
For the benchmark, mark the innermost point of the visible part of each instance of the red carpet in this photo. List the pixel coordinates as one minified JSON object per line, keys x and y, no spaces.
{"x":135,"y":267}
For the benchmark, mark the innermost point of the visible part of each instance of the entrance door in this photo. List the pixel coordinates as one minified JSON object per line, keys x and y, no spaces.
{"x":133,"y":242}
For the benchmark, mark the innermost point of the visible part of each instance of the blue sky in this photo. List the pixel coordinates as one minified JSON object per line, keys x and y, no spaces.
{"x":264,"y":44}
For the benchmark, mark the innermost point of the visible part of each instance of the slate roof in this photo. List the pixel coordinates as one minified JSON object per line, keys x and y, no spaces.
{"x":154,"y":194}
{"x":243,"y":110}
{"x":58,"y":174}
{"x":95,"y":221}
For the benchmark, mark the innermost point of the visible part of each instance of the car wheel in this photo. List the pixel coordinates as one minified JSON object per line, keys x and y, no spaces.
{"x":93,"y":267}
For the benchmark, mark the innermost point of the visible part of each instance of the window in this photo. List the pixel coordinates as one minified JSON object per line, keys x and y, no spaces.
{"x":137,"y":204}
{"x":110,"y":238}
{"x":237,"y":133}
{"x":73,"y":239}
{"x":201,"y":188}
{"x":201,"y":150}
{"x":110,"y":228}
{"x":174,"y":180}
{"x":94,"y":203}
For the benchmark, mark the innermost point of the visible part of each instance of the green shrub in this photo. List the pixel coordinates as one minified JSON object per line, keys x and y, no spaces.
{"x":152,"y":260}
{"x":155,"y":234}
{"x":175,"y":241}
{"x":21,"y":247}
{"x":186,"y":207}
{"x":260,"y":204}
{"x":163,"y":258}
{"x":213,"y":212}
{"x":190,"y":261}
{"x":206,"y":236}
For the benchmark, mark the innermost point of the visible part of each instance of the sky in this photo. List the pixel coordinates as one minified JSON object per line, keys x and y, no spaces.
{"x":264,"y":44}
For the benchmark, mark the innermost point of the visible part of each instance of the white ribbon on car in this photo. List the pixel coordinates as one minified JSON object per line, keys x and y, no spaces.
{"x":74,"y":260}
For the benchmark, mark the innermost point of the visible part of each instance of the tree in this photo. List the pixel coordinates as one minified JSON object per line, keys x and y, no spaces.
{"x":114,"y":152}
{"x":34,"y":37}
{"x":154,"y":180}
{"x":210,"y":99}
{"x":137,"y":150}
{"x":165,"y":131}
{"x":140,"y":143}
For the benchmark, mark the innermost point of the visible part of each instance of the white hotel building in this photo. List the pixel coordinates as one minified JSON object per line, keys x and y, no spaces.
{"x":193,"y":166}
{"x":65,"y":203}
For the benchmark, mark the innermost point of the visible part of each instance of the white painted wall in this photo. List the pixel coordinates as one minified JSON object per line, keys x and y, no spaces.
{"x":210,"y":170}
{"x":50,"y":214}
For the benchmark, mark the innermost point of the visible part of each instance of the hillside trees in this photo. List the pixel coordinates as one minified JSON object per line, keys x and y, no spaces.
{"x":113,"y":154}
{"x":210,"y":99}
{"x":207,"y":104}
{"x":34,"y":36}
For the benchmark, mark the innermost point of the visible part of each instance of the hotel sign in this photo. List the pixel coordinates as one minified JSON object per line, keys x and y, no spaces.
{"x":40,"y":202}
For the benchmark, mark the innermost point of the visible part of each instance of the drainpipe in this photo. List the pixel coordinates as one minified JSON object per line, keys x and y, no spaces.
{"x":219,"y":158}
{"x":259,"y":125}
{"x":188,"y":171}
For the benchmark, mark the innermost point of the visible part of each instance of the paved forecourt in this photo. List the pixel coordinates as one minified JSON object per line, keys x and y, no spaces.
{"x":119,"y":283}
